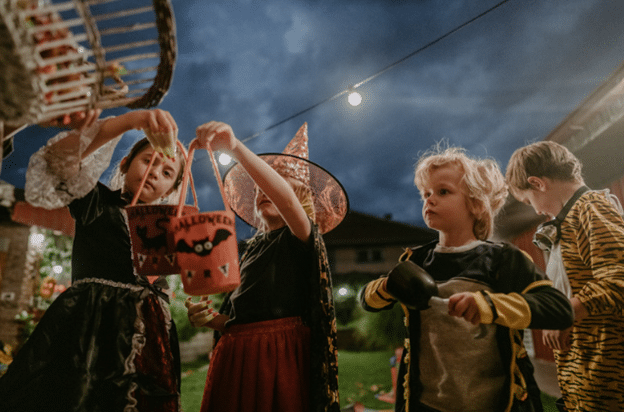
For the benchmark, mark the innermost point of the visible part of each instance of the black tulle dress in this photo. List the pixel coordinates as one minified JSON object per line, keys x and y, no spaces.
{"x":107,"y":343}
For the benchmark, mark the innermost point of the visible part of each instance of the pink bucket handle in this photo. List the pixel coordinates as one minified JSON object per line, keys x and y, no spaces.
{"x":187,"y":176}
{"x":135,"y":199}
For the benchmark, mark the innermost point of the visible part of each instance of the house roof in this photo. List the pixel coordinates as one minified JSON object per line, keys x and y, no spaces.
{"x":53,"y":219}
{"x":594,"y":133}
{"x":15,"y":208}
{"x":359,"y":229}
{"x":594,"y":130}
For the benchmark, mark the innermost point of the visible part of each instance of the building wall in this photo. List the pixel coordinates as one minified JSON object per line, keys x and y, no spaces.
{"x":351,"y":259}
{"x":17,"y":269}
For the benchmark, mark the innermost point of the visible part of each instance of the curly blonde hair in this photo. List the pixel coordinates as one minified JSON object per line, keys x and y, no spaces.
{"x":482,"y":183}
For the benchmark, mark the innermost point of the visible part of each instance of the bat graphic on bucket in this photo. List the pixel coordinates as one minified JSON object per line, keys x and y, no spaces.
{"x":205,"y":243}
{"x":203,"y":247}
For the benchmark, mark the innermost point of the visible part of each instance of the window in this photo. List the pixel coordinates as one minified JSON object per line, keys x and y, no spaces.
{"x":369,"y":255}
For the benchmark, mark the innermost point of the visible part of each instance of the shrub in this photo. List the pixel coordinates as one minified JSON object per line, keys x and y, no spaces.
{"x":379,"y":330}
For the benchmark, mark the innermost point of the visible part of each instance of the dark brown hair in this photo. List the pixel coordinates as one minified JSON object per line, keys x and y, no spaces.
{"x":141,"y":145}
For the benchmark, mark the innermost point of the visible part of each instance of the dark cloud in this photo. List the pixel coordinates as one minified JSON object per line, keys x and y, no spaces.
{"x":498,"y":83}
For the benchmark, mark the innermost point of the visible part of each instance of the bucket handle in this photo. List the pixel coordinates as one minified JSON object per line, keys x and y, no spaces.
{"x":135,"y":199}
{"x":187,"y":176}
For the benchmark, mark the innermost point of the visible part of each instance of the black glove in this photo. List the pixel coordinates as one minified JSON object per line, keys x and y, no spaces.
{"x":411,"y":285}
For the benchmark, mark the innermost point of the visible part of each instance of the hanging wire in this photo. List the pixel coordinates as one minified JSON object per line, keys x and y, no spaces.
{"x":379,"y":73}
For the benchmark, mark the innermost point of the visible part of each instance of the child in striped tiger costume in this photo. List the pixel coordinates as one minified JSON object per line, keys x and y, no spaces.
{"x":586,"y":261}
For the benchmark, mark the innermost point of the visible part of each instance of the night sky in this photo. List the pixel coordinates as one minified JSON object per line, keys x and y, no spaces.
{"x":503,"y":80}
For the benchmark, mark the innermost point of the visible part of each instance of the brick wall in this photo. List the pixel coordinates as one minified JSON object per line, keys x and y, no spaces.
{"x":17,"y":269}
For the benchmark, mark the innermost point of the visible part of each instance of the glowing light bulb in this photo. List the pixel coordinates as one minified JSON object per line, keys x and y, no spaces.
{"x":354,"y":98}
{"x":225,"y":159}
{"x":343,"y":291}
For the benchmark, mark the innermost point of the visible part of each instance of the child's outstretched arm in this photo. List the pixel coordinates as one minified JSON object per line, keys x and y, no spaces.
{"x":159,"y":125}
{"x":71,"y":163}
{"x":77,"y":120}
{"x":219,"y":136}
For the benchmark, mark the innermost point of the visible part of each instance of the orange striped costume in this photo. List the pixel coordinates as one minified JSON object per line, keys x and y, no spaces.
{"x":591,"y":373}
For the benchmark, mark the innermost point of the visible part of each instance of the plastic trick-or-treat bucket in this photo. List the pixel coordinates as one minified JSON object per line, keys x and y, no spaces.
{"x":150,"y":238}
{"x":205,"y":243}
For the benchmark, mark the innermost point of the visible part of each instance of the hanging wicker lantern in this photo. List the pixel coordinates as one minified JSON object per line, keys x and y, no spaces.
{"x":61,"y":57}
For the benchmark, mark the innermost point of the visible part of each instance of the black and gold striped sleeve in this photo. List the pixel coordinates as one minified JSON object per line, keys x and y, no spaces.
{"x":525,"y":298}
{"x":374,"y":297}
{"x":539,"y":306}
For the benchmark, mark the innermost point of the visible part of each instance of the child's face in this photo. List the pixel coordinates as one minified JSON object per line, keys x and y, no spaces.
{"x":539,"y":200}
{"x":266,"y":210}
{"x":160,"y":180}
{"x":445,"y":207}
{"x":264,"y":207}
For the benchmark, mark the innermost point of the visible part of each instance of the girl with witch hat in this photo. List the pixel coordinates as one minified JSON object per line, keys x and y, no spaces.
{"x":278,"y":350}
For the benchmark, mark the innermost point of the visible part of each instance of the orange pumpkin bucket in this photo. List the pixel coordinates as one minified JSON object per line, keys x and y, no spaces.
{"x":150,"y":238}
{"x":205,"y":243}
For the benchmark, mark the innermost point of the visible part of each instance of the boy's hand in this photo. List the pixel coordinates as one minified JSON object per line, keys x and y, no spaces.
{"x":199,"y":313}
{"x":464,"y":305}
{"x":217,"y":136}
{"x":557,"y":339}
{"x":560,"y":339}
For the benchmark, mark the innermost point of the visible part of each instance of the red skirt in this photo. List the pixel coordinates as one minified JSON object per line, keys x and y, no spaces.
{"x":261,"y":366}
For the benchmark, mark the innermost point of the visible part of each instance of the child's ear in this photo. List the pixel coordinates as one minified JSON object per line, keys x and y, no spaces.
{"x":123,"y":165}
{"x":537,"y":183}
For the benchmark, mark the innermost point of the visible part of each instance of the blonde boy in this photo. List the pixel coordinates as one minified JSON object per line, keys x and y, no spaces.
{"x":474,"y":359}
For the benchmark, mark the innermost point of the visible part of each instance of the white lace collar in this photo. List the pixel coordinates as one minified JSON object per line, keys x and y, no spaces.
{"x":458,"y":249}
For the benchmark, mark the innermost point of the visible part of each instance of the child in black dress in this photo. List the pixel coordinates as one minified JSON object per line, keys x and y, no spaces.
{"x":277,"y":351}
{"x":108,"y":342}
{"x":473,"y":360}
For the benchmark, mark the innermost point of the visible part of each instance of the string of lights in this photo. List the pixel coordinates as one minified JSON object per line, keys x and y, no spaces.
{"x":380,"y":72}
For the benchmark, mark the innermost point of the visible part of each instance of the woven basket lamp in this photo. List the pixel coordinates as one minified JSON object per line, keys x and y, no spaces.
{"x":60,"y":57}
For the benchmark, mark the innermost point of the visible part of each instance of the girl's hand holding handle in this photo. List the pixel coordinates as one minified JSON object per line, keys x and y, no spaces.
{"x":161,"y":131}
{"x":217,"y":136}
{"x":199,"y":313}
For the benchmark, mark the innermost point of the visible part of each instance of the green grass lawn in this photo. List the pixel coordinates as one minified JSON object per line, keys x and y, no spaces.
{"x":193,"y":382}
{"x":361,"y":375}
